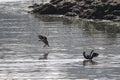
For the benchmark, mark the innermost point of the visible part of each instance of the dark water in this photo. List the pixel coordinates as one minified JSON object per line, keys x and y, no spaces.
{"x":20,"y":49}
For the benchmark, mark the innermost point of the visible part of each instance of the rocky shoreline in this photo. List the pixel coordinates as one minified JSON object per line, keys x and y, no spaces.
{"x":90,"y":9}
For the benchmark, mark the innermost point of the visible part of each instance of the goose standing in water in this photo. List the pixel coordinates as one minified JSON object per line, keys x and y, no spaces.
{"x":44,"y":40}
{"x":91,"y":55}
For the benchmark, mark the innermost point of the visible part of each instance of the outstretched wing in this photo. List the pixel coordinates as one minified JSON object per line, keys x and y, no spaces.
{"x":91,"y":53}
{"x":85,"y":56}
{"x":46,"y":42}
{"x":95,"y":54}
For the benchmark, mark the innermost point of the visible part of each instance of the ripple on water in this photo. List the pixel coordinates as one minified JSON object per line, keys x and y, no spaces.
{"x":21,"y":50}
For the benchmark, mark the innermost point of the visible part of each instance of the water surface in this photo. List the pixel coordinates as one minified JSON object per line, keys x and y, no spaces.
{"x":68,"y":37}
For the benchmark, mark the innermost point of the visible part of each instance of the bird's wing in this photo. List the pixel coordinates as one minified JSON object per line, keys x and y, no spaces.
{"x":91,"y":53}
{"x":84,"y":54}
{"x":95,"y":54}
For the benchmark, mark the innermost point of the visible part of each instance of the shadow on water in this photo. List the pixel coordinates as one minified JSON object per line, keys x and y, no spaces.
{"x":44,"y":56}
{"x":89,"y":62}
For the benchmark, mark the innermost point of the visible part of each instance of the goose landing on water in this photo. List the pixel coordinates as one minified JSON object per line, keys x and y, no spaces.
{"x":44,"y":40}
{"x":91,"y":55}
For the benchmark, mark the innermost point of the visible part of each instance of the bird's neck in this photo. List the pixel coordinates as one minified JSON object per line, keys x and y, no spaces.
{"x":84,"y":55}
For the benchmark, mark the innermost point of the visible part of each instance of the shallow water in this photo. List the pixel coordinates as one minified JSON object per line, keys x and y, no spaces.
{"x":68,"y":37}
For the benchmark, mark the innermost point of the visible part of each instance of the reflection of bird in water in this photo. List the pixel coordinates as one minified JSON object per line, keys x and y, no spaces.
{"x":89,"y":61}
{"x":90,"y":56}
{"x":45,"y":55}
{"x":44,"y":40}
